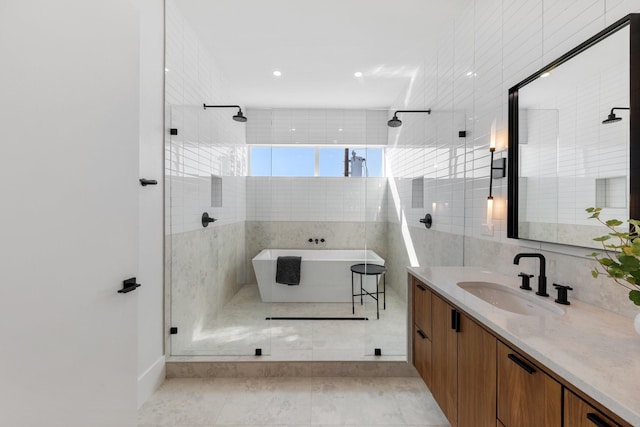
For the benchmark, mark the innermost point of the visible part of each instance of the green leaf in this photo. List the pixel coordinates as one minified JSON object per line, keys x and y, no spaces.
{"x":635,"y":296}
{"x":593,"y":254}
{"x":595,"y":215}
{"x":621,"y":234}
{"x":628,"y":263}
{"x":590,"y":210}
{"x":607,"y":262}
{"x":602,"y":238}
{"x":595,"y":274}
{"x":614,"y":223}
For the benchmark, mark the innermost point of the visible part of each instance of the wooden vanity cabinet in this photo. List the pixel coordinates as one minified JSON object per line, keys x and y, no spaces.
{"x":578,"y":413}
{"x":463,"y":360}
{"x":476,"y":375}
{"x":480,"y":381}
{"x":444,"y":359}
{"x":422,"y":306}
{"x":422,"y":355}
{"x":421,"y":329}
{"x":526,"y":395}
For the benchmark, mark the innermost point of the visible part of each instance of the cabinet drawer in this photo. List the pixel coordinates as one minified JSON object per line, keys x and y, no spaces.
{"x":422,"y":355}
{"x":527,"y":397}
{"x":422,"y":307}
{"x":578,"y":413}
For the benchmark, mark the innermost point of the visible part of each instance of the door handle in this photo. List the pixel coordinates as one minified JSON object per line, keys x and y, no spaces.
{"x":422,"y":288}
{"x":129,"y":285}
{"x":422,"y":335}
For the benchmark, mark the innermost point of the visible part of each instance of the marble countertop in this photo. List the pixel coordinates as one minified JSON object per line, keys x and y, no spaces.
{"x":595,"y":350}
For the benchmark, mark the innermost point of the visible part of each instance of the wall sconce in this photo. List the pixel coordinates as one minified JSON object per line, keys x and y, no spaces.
{"x":239,"y":117}
{"x":498,"y":171}
{"x":395,"y":122}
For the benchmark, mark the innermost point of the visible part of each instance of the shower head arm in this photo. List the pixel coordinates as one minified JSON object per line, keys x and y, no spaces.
{"x":413,"y":111}
{"x":619,"y":108}
{"x":221,"y":106}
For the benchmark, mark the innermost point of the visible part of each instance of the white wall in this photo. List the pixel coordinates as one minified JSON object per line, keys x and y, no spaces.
{"x":151,"y":218}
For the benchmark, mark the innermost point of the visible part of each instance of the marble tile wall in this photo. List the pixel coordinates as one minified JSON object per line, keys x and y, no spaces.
{"x":417,"y":246}
{"x":207,"y":269}
{"x":572,"y":269}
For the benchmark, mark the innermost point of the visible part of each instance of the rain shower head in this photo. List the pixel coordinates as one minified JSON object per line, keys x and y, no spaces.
{"x":239,"y":117}
{"x":611,"y":118}
{"x":396,"y":122}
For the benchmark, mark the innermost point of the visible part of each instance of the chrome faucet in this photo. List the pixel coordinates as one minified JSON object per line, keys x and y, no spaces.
{"x":542,"y":279}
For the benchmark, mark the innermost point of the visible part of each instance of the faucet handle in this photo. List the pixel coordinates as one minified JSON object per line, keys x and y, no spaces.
{"x":525,"y":281}
{"x":562,"y":294}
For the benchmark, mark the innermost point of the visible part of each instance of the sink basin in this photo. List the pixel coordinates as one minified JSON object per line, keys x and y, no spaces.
{"x":509,"y":299}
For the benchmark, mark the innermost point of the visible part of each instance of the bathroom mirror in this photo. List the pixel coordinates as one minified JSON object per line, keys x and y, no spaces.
{"x":573,"y":140}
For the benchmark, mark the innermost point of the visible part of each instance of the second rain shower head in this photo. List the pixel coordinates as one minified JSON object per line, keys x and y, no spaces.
{"x":238,"y":117}
{"x":612,"y":118}
{"x":396,"y":122}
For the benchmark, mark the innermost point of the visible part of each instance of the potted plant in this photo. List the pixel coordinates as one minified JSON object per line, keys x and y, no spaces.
{"x":620,"y":259}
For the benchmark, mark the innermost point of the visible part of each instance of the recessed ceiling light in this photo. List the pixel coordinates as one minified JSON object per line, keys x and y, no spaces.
{"x":358,"y":74}
{"x":340,"y":130}
{"x":292,"y":129}
{"x":277,"y":73}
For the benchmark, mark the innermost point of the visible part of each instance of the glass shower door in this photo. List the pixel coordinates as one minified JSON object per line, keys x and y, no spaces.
{"x":213,"y":312}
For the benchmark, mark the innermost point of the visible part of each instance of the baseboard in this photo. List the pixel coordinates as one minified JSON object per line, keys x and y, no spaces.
{"x":248,"y":369}
{"x":150,"y":380}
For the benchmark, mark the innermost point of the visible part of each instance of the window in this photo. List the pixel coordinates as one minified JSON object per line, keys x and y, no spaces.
{"x":311,"y":161}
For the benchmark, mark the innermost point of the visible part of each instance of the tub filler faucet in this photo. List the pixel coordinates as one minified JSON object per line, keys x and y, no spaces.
{"x":542,"y":279}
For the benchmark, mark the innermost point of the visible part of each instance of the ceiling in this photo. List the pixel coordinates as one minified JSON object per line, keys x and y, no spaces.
{"x":318,"y":46}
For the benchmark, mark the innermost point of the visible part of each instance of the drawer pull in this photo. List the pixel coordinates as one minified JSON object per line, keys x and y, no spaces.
{"x":422,"y":335}
{"x":597,"y":420}
{"x":455,"y":320}
{"x":422,"y":288}
{"x":522,"y":364}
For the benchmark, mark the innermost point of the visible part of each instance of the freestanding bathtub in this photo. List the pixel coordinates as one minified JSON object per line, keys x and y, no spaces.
{"x":325,"y":275}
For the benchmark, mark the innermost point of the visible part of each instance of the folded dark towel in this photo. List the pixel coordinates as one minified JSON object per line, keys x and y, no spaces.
{"x":288,"y":270}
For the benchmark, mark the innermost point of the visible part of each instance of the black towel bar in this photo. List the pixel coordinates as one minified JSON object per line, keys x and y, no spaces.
{"x":144,"y":182}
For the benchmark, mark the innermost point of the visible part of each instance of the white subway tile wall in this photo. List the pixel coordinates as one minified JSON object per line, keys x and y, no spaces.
{"x":208,"y":141}
{"x":317,"y":126}
{"x":316,"y":199}
{"x":465,"y":77}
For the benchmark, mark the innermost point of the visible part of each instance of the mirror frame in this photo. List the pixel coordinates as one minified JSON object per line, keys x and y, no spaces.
{"x":633,"y":21}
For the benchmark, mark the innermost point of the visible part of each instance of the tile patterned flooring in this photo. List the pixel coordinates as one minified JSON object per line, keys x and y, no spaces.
{"x":241,"y":328}
{"x":302,"y":402}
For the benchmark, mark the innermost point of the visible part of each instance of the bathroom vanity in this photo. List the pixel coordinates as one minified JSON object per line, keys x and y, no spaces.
{"x":495,"y":355}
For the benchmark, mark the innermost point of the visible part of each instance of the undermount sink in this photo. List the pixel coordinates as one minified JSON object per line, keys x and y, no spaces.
{"x":509,"y":299}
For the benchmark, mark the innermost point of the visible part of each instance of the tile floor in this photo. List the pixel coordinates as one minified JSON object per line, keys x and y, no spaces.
{"x":302,"y":402}
{"x":241,"y":328}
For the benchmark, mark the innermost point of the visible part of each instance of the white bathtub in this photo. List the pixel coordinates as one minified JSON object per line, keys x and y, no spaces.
{"x":325,"y":275}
